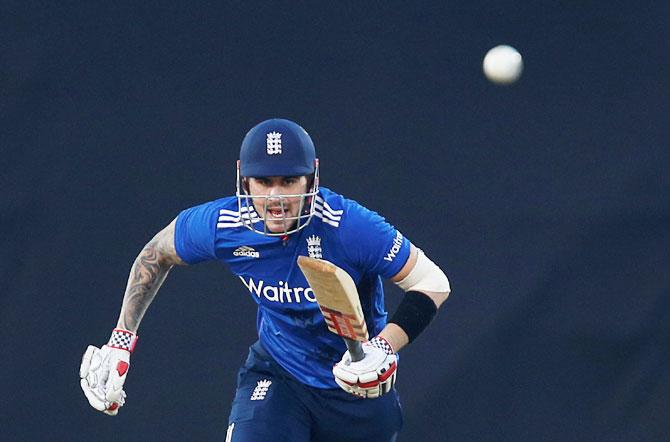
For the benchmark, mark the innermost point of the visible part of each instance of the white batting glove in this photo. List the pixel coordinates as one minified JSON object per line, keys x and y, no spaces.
{"x":372,"y":376}
{"x":103,"y":372}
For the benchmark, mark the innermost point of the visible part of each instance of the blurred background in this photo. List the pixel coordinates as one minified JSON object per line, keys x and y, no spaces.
{"x":547,"y":202}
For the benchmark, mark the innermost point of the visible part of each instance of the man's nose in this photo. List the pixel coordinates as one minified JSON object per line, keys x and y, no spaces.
{"x":275,"y":191}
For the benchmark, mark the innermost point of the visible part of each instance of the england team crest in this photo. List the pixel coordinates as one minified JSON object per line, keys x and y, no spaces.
{"x":314,"y":247}
{"x":273,"y":143}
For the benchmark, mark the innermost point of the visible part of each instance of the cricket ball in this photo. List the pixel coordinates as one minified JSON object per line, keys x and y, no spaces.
{"x":503,"y":64}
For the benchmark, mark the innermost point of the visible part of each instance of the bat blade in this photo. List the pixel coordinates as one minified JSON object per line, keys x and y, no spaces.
{"x":338,"y":300}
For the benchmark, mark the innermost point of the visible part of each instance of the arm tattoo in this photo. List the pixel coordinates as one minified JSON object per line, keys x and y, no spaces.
{"x":149,"y":270}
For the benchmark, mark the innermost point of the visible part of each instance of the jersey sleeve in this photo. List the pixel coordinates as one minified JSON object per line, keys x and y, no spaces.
{"x":373,"y":244}
{"x":194,"y":235}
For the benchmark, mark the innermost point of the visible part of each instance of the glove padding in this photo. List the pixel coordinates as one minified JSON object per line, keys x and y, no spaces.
{"x":103,"y":372}
{"x":372,"y":376}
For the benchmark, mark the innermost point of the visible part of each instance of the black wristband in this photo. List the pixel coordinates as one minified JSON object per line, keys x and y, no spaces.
{"x":414,"y":313}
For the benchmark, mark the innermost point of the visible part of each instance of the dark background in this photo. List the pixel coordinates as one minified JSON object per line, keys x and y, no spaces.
{"x":547,"y":202}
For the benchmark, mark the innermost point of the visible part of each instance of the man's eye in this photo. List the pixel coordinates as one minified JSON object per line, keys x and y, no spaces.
{"x":290,"y":181}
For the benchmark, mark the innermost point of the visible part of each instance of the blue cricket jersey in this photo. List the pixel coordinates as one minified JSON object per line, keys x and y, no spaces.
{"x":290,"y":324}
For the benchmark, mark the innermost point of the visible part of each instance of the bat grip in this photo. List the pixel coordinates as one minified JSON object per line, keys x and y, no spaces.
{"x":355,"y":349}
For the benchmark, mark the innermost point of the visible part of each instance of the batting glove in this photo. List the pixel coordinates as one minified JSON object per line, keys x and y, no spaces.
{"x":372,"y":376}
{"x":103,"y":372}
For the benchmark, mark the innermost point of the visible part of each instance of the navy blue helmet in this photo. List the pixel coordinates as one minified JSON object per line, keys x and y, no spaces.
{"x":277,"y":147}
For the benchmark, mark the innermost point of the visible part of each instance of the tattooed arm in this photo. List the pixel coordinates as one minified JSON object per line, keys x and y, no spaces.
{"x":103,"y":370}
{"x":146,"y":276}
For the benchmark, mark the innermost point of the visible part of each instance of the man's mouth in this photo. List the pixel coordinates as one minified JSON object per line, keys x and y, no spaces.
{"x":276,"y":212}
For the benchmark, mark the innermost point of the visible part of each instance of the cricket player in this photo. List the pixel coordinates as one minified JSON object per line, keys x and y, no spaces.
{"x":299,"y":382}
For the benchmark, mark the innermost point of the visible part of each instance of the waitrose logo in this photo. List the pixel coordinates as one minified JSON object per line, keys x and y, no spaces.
{"x":283,"y":293}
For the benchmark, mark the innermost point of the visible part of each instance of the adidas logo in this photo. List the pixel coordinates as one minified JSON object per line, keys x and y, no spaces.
{"x":261,"y":390}
{"x":246,"y":251}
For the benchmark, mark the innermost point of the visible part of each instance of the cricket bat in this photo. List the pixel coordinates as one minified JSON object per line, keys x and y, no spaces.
{"x":338,"y":300}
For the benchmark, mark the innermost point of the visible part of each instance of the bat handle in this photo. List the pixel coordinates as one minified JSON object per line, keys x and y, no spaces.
{"x":355,"y":349}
